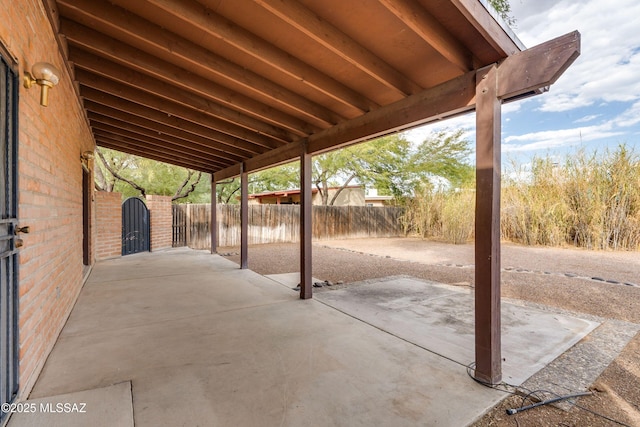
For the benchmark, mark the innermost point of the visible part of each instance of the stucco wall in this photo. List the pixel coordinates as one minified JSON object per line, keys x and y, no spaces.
{"x":51,"y":140}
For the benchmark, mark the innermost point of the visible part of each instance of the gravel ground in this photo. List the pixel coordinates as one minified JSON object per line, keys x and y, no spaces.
{"x":604,"y":284}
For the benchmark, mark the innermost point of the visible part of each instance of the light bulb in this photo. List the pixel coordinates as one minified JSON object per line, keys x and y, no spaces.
{"x":47,"y":72}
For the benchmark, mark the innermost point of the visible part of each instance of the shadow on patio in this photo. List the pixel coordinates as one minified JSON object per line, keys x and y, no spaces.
{"x":189,"y":339}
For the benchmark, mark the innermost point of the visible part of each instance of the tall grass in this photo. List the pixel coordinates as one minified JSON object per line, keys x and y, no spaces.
{"x":590,"y":201}
{"x":440,"y":214}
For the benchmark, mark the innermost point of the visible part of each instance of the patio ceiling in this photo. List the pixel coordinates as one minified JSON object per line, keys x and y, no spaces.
{"x":212,"y":84}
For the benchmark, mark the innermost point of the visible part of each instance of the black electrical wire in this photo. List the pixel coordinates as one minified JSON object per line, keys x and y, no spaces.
{"x":505,"y":389}
{"x":513,"y":411}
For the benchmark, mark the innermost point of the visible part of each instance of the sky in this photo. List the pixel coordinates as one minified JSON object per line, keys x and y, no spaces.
{"x":594,"y":105}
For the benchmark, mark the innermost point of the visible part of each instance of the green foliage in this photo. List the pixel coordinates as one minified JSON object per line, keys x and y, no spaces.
{"x":391,"y":164}
{"x":135,"y":173}
{"x":503,"y":8}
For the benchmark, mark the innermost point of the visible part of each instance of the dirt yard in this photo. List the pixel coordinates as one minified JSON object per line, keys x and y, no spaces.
{"x":605,"y":284}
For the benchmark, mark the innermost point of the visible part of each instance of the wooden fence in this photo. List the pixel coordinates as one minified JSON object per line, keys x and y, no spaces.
{"x":281,"y":223}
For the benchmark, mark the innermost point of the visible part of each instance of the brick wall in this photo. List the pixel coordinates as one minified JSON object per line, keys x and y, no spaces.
{"x":161,"y":221}
{"x":50,"y":189}
{"x":108,"y":224}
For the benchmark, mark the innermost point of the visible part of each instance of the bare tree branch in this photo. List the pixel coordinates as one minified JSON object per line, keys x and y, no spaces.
{"x":179,"y":193}
{"x":115,"y":173}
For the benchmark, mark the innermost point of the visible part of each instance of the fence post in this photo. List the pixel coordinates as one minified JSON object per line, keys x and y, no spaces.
{"x":244,"y":217}
{"x":213,"y":227}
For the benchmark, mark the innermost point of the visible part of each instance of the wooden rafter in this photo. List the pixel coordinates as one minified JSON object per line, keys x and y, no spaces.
{"x":226,"y":31}
{"x":197,"y":150}
{"x":454,"y":97}
{"x":101,"y":112}
{"x":475,"y":12}
{"x":126,"y":26}
{"x":427,"y":27}
{"x":321,"y":31}
{"x":174,"y":94}
{"x":157,"y":142}
{"x":133,"y":147}
{"x":173,"y":109}
{"x":85,"y":39}
{"x":227,"y":142}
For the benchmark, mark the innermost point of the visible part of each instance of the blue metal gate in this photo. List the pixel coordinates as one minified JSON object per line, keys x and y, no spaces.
{"x":8,"y":229}
{"x":135,"y":226}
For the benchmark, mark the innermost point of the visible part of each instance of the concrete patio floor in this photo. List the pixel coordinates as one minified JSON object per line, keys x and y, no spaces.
{"x":192,"y":340}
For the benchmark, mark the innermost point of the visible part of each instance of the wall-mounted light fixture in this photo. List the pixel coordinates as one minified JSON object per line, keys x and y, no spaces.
{"x":85,"y":158}
{"x":46,"y":76}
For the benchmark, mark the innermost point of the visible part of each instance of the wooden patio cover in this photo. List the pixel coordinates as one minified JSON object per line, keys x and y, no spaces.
{"x":234,"y":86}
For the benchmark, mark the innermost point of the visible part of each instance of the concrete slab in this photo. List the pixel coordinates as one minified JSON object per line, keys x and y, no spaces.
{"x":205,"y":343}
{"x":440,"y":318}
{"x":111,"y":404}
{"x":289,"y":280}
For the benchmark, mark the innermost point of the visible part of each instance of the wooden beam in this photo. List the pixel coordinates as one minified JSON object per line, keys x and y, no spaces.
{"x":306,"y":281}
{"x":132,"y":148}
{"x":478,"y":15}
{"x":431,"y":31}
{"x":174,"y":109}
{"x":537,"y":67}
{"x":244,"y":218}
{"x":135,"y":30}
{"x":269,"y":159}
{"x":487,"y":229}
{"x":230,"y":33}
{"x":224,"y":142}
{"x":196,"y":150}
{"x":174,"y":94}
{"x":440,"y":102}
{"x":188,"y":139}
{"x":88,"y":40}
{"x":214,"y":216}
{"x":156,"y":143}
{"x":446,"y":100}
{"x":324,"y":33}
{"x":167,"y":153}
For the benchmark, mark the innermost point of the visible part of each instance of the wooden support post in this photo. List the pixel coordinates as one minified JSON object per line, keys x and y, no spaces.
{"x":214,"y":218}
{"x":306,"y":284}
{"x":244,"y":217}
{"x":487,"y":228}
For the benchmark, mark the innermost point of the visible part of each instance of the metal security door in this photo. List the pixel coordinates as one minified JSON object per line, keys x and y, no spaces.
{"x":135,"y":226}
{"x":8,"y":229}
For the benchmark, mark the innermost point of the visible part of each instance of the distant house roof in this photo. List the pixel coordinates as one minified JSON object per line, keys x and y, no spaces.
{"x":291,"y":192}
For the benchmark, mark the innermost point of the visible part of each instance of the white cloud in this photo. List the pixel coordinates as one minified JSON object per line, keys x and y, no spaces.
{"x":589,"y":118}
{"x":609,"y":65}
{"x":630,"y":117}
{"x":467,"y":122}
{"x":567,"y":137}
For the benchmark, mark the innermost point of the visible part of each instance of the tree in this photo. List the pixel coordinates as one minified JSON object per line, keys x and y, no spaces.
{"x":392,"y":165}
{"x":503,"y":8}
{"x":375,"y":163}
{"x":133,"y":176}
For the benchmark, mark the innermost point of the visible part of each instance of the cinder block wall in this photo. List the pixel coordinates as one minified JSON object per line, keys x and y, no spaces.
{"x":108,"y":225}
{"x":50,"y":188}
{"x":161,"y":221}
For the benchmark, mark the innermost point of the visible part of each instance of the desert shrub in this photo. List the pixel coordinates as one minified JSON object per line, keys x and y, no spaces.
{"x":441,"y":214}
{"x":590,"y":201}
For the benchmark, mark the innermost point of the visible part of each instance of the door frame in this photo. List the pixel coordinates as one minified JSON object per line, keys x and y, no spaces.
{"x":10,"y":273}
